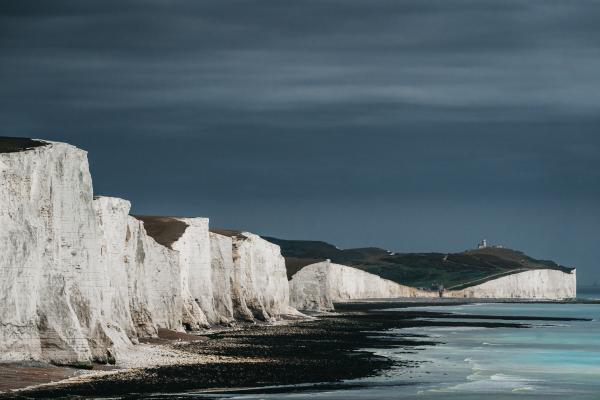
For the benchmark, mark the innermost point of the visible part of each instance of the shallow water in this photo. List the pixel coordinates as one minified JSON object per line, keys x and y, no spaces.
{"x":551,"y":360}
{"x":589,"y":294}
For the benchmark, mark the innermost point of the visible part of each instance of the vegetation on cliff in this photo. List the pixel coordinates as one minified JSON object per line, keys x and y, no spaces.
{"x":427,"y":270}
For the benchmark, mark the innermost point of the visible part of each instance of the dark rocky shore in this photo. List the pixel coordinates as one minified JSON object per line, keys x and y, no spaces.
{"x":323,"y":350}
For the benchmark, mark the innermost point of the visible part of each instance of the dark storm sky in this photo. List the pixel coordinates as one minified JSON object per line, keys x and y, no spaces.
{"x":411,"y":125}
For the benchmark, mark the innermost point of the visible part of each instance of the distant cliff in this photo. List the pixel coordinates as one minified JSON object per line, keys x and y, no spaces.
{"x":316,"y":287}
{"x":490,"y":272}
{"x":426,"y":270}
{"x":542,"y":284}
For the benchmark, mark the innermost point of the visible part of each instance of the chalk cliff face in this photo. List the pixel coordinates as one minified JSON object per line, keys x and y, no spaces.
{"x":154,"y":277}
{"x":112,"y":219}
{"x":181,"y":276}
{"x":259,"y":286}
{"x":310,"y":288}
{"x":248,"y":278}
{"x":318,"y":286}
{"x":193,"y":247}
{"x":222,"y":277}
{"x":81,"y":280}
{"x":351,"y":283}
{"x":147,"y":276}
{"x":168,"y":265}
{"x":52,"y":279}
{"x":545,"y":284}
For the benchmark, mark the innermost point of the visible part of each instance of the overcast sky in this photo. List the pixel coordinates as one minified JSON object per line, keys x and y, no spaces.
{"x":410,"y":125}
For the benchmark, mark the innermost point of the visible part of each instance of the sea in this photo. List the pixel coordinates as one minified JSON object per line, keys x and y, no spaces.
{"x":550,"y":360}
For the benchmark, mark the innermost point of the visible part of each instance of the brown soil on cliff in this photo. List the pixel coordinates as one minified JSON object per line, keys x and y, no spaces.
{"x":295,"y":264}
{"x":227,"y":232}
{"x":15,"y":144}
{"x":165,"y":230}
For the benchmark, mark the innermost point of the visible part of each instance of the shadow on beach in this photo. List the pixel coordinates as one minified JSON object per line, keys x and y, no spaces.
{"x":324,"y":350}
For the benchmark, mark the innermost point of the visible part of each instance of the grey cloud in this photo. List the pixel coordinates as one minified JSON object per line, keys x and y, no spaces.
{"x":413,"y":119}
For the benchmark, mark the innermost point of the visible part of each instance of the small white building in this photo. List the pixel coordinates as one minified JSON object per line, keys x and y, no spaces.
{"x":483,"y":244}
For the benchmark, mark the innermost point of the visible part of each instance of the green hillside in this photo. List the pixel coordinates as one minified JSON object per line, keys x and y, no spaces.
{"x":16,"y":144}
{"x":453,"y":270}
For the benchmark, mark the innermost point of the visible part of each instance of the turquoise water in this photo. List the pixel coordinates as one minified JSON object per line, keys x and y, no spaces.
{"x":551,"y":360}
{"x":589,"y":295}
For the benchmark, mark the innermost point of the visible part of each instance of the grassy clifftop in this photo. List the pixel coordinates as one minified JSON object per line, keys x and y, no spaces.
{"x":16,"y":144}
{"x":453,"y":270}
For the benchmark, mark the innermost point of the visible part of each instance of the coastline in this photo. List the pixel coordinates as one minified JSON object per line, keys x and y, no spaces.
{"x":322,"y":350}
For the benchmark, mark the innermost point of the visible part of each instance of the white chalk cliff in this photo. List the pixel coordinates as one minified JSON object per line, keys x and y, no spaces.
{"x":150,"y":277}
{"x":53,"y":282}
{"x":545,"y":284}
{"x":81,"y":280}
{"x":317,"y":286}
{"x":258,"y":280}
{"x":223,"y":278}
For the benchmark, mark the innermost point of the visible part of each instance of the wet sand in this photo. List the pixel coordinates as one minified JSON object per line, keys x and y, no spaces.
{"x":20,"y":375}
{"x":322,"y":350}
